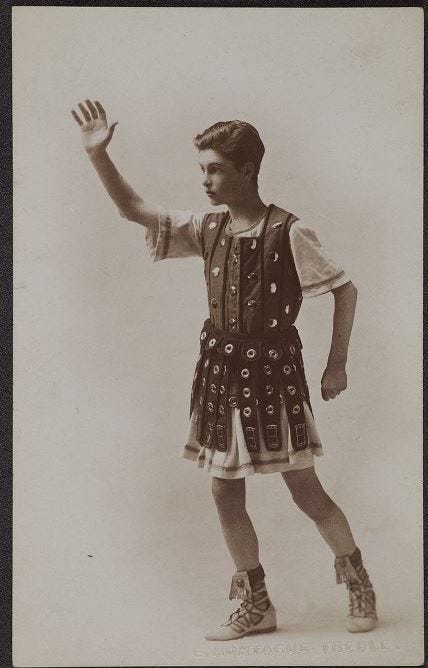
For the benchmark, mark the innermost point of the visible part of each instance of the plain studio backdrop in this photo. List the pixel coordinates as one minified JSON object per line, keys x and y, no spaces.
{"x":119,"y":557}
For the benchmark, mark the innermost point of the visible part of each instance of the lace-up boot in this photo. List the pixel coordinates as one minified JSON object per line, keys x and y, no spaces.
{"x":256,"y":614}
{"x":362,"y":600}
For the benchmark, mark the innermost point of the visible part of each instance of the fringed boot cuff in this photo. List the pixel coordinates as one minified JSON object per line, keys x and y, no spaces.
{"x":244,"y":581}
{"x":345,"y":571}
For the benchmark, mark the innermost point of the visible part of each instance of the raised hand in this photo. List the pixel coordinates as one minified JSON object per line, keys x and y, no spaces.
{"x":96,"y":134}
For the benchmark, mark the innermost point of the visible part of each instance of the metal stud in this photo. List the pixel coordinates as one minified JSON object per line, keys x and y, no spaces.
{"x":252,"y":276}
{"x":273,"y":255}
{"x":203,"y":336}
{"x":228,"y":348}
{"x":277,"y":224}
{"x":212,"y":225}
{"x":233,"y":290}
{"x":267,"y":369}
{"x":216,"y":271}
{"x":273,"y":287}
{"x":296,"y":409}
{"x":247,"y":411}
{"x":251,"y":353}
{"x":246,"y":392}
{"x":251,"y":303}
{"x":212,"y":342}
{"x":273,"y":354}
{"x":222,"y":389}
{"x":210,"y":406}
{"x":214,"y":302}
{"x":291,"y":389}
{"x":270,"y":409}
{"x":213,"y":387}
{"x":253,"y":244}
{"x":233,"y":401}
{"x":286,"y":369}
{"x":222,"y":242}
{"x":269,"y":389}
{"x":245,"y":373}
{"x":272,"y":322}
{"x":287,"y":309}
{"x":221,"y":410}
{"x":292,"y":349}
{"x":216,"y":368}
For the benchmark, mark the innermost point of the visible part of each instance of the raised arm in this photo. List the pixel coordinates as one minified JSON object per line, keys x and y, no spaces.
{"x":96,"y":135}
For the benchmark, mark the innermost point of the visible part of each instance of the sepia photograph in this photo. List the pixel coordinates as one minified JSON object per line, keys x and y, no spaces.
{"x":217,"y":421}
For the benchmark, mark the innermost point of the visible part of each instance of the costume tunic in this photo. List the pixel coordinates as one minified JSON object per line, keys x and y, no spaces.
{"x":183,"y":234}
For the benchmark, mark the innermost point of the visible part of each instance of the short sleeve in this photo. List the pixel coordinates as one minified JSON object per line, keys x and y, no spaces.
{"x":178,"y":234}
{"x":317,"y":272}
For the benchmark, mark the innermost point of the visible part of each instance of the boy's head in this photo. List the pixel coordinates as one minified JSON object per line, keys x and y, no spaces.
{"x":235,"y":144}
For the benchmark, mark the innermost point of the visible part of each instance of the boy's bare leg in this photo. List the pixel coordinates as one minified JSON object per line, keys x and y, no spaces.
{"x":238,"y":530}
{"x":310,"y":496}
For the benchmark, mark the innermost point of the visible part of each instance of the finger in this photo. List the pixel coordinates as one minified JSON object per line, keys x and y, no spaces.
{"x":86,"y":114}
{"x":101,"y":112}
{"x":92,"y":109}
{"x":77,"y":117}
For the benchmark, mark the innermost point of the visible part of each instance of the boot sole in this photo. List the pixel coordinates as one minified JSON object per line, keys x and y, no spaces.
{"x":269,"y":629}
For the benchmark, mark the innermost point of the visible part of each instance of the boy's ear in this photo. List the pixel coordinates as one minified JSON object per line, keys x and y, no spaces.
{"x":248,"y":169}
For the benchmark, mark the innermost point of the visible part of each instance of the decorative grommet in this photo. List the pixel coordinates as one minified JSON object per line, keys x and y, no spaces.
{"x":277,"y":224}
{"x":222,"y":389}
{"x":203,"y":336}
{"x":272,"y":322}
{"x":270,"y":409}
{"x":246,"y":392}
{"x":212,"y":342}
{"x":247,"y":411}
{"x":267,"y":369}
{"x":253,"y":243}
{"x":286,"y":369}
{"x":233,"y":401}
{"x":291,"y":389}
{"x":212,"y":225}
{"x":240,"y":583}
{"x":292,"y":349}
{"x":224,"y":369}
{"x":273,"y":255}
{"x":221,"y":410}
{"x":214,"y":302}
{"x":213,"y":387}
{"x":296,"y":409}
{"x":252,"y":276}
{"x":251,"y":303}
{"x":228,"y":348}
{"x":245,"y":373}
{"x":273,"y":354}
{"x":210,"y":406}
{"x":222,"y":242}
{"x":216,"y":368}
{"x":269,"y":389}
{"x":273,"y":288}
{"x":233,"y":290}
{"x":216,"y":271}
{"x":235,"y":258}
{"x":251,"y":353}
{"x":287,"y":309}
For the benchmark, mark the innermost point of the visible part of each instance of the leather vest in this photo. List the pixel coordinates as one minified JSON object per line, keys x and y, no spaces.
{"x":252,"y":283}
{"x":250,"y":352}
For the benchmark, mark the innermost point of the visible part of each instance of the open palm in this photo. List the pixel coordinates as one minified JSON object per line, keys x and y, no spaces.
{"x":96,"y":134}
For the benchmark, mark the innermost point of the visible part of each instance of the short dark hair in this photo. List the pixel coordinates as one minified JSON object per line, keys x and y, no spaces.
{"x":236,"y":140}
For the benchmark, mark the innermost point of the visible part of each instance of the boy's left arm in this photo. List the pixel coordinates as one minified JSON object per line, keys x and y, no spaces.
{"x":334,"y":380}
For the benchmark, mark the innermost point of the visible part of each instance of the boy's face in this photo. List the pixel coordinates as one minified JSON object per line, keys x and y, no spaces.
{"x":223,"y":182}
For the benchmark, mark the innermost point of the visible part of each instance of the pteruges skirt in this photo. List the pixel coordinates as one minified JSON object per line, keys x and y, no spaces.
{"x":242,"y":384}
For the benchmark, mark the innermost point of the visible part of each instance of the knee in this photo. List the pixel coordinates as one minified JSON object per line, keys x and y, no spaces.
{"x":228,"y":493}
{"x":317,"y":508}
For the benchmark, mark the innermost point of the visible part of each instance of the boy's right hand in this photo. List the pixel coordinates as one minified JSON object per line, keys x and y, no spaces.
{"x":96,"y":134}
